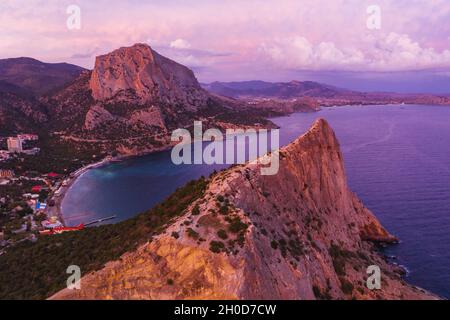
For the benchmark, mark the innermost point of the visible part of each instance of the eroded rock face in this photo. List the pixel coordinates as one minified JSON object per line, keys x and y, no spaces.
{"x":96,"y":116}
{"x":299,"y":234}
{"x":139,"y":73}
{"x":150,"y":116}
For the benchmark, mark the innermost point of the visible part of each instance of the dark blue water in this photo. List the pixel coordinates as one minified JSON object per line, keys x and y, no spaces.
{"x":397,"y":160}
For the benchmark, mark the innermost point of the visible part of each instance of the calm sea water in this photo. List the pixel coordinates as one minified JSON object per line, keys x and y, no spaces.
{"x":397,"y":160}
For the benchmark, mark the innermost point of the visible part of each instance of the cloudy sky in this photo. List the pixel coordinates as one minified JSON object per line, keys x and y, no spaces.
{"x":389,"y":45}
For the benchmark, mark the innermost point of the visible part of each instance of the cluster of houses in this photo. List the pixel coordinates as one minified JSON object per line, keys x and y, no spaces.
{"x":6,"y":175}
{"x":40,"y":218}
{"x":15,"y":145}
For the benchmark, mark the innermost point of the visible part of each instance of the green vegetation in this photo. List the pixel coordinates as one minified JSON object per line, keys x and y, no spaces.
{"x":37,"y":270}
{"x":56,"y":155}
{"x":224,"y":210}
{"x":216,"y":246}
{"x":236,"y":225}
{"x":192,"y":233}
{"x":296,"y":248}
{"x":339,"y":256}
{"x":346,"y":286}
{"x":196,"y":210}
{"x":274,"y":244}
{"x":321,"y":295}
{"x":222,"y":234}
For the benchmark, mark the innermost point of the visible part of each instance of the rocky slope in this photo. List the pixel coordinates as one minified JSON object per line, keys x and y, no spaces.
{"x":35,"y":76}
{"x":22,"y":82}
{"x":299,"y":234}
{"x":20,"y":113}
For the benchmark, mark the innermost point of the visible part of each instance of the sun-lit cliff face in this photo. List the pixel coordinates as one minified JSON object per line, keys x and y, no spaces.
{"x":139,"y":73}
{"x":299,"y":234}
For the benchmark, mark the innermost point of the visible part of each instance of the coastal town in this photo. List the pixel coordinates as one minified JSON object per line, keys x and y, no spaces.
{"x":30,"y":199}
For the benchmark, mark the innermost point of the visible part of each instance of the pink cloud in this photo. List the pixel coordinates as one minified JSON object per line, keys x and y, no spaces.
{"x":261,"y":35}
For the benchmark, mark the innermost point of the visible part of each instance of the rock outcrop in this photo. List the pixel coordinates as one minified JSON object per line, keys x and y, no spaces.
{"x":299,"y":234}
{"x":138,"y":73}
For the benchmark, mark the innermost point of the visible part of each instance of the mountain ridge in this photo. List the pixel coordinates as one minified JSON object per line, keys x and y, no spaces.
{"x":327,"y":95}
{"x":35,"y":76}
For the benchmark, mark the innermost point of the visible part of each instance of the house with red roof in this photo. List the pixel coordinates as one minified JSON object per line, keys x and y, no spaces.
{"x":36,"y":189}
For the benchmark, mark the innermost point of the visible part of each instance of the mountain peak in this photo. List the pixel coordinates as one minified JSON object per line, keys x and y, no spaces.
{"x":320,"y":133}
{"x":139,"y":73}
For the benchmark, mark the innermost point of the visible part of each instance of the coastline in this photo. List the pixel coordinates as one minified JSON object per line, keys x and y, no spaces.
{"x":106,"y":161}
{"x":56,"y":210}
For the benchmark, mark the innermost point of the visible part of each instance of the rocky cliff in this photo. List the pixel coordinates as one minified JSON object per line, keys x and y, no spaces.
{"x":299,"y":234}
{"x":140,"y":73}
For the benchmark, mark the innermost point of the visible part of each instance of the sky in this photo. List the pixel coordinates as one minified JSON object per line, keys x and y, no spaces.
{"x":376,"y":45}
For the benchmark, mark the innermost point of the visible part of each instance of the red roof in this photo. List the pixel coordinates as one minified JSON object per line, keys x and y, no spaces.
{"x":52,"y":175}
{"x":36,"y":189}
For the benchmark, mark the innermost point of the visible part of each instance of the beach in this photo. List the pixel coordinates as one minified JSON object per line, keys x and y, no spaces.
{"x":56,"y":210}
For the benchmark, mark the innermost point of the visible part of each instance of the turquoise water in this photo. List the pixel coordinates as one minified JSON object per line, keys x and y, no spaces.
{"x":397,"y":160}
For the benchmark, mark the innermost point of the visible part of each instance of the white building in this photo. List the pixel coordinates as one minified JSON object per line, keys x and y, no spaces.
{"x":4,"y":155}
{"x":27,"y":136}
{"x":14,"y":144}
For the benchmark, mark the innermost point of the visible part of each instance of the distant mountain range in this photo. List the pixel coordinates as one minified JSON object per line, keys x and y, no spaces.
{"x":325,"y":94}
{"x":281,"y":90}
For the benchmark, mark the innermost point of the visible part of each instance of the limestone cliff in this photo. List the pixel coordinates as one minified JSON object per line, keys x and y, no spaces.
{"x":299,"y":234}
{"x":138,"y":72}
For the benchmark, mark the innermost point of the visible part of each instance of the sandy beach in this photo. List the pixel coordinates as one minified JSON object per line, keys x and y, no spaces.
{"x":56,"y":210}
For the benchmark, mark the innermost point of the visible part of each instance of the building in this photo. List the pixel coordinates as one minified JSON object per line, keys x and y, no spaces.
{"x":14,"y":144}
{"x":32,"y":152}
{"x":28,"y":137}
{"x":36,"y":189}
{"x":4,"y":173}
{"x":4,"y":155}
{"x":41,"y":205}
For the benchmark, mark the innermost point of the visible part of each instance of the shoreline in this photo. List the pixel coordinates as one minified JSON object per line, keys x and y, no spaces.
{"x":56,"y":210}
